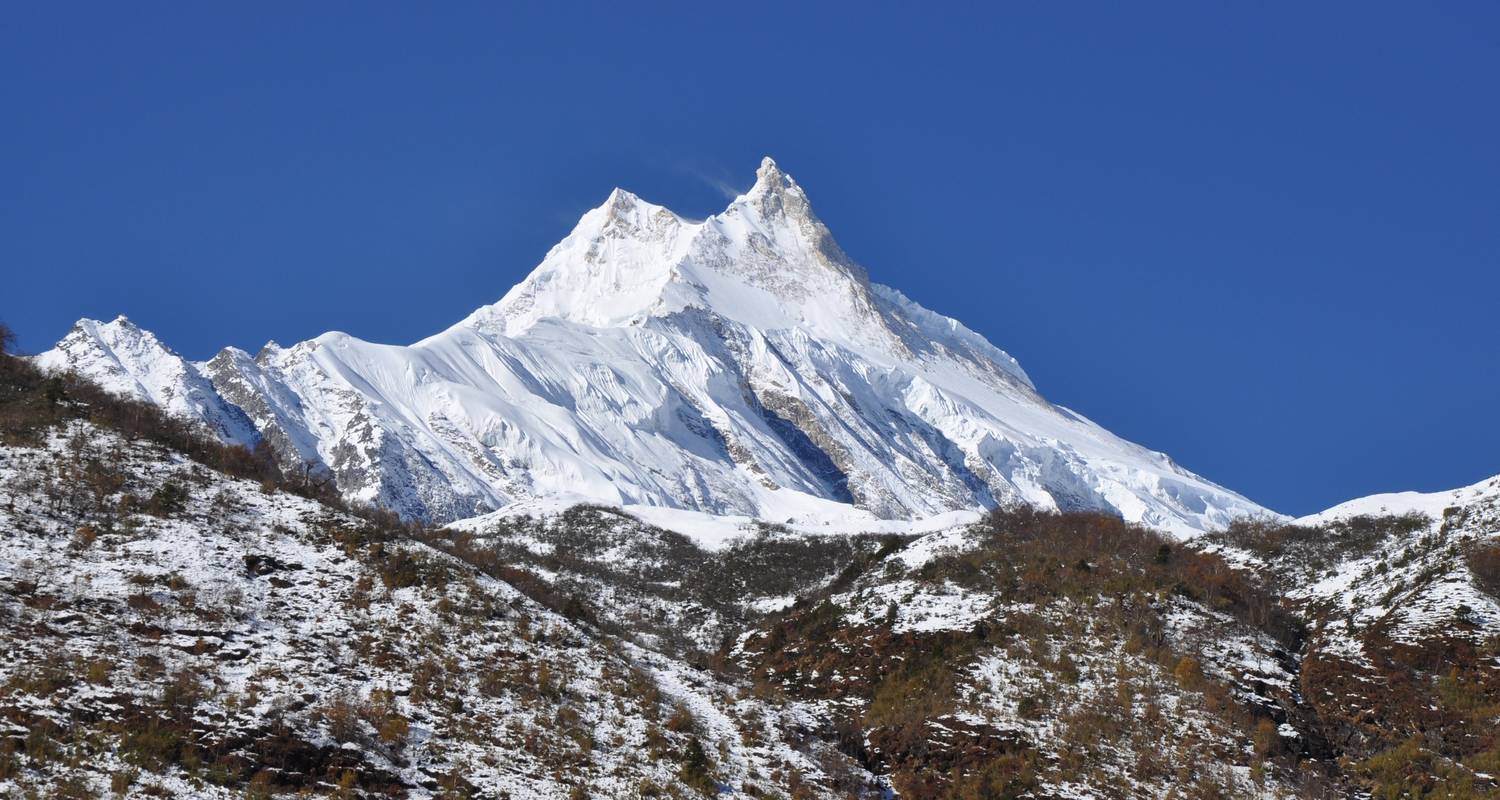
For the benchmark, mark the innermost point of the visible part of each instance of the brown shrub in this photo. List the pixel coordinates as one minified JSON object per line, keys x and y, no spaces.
{"x":681,"y":720}
{"x":1484,"y":562}
{"x":345,"y":719}
{"x":393,"y":731}
{"x":1266,"y":738}
{"x":1188,"y":672}
{"x":84,"y":537}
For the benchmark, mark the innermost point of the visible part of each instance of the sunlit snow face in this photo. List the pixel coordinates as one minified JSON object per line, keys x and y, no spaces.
{"x":739,"y":365}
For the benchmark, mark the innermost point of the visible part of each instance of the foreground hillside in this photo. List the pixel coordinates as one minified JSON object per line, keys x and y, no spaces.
{"x":172,"y":630}
{"x":181,"y":619}
{"x":1402,"y":659}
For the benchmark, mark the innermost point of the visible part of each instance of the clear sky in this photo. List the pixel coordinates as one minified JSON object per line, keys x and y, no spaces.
{"x":1264,"y":238}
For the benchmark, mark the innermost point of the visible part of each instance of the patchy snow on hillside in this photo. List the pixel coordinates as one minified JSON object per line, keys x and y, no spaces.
{"x":276,"y":628}
{"x":1389,"y":562}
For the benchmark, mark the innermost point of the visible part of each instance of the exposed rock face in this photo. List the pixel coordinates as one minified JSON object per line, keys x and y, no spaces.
{"x":743,"y":364}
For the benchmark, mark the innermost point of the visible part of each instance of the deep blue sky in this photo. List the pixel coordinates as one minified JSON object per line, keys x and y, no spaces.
{"x":1262,"y":239}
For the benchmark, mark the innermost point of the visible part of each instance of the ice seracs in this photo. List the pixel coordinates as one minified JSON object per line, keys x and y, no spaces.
{"x":743,"y":364}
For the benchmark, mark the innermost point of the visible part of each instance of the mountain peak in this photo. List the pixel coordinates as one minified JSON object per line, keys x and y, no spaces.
{"x":771,"y":181}
{"x":777,"y":198}
{"x":630,"y":259}
{"x":619,"y":199}
{"x":771,"y":175}
{"x":115,"y":333}
{"x":625,"y":210}
{"x":741,"y":364}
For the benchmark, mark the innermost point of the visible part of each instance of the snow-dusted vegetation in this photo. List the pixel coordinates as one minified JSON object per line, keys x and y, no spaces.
{"x":1402,"y":611}
{"x":176,"y":631}
{"x":1038,"y":654}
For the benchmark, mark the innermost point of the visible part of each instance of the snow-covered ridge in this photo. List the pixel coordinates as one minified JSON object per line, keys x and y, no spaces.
{"x":1430,"y":504}
{"x":741,"y":365}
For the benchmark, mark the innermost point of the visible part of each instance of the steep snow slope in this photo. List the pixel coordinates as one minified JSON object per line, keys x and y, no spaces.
{"x":742,"y":365}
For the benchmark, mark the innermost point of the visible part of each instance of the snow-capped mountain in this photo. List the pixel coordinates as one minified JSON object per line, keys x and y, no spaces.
{"x":743,"y":364}
{"x":182,"y":621}
{"x":126,"y":360}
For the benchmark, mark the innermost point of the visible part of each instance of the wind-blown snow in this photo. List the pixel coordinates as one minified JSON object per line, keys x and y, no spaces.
{"x":742,"y":365}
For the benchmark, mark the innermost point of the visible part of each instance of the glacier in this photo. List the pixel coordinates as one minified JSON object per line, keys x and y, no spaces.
{"x":742,"y":365}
